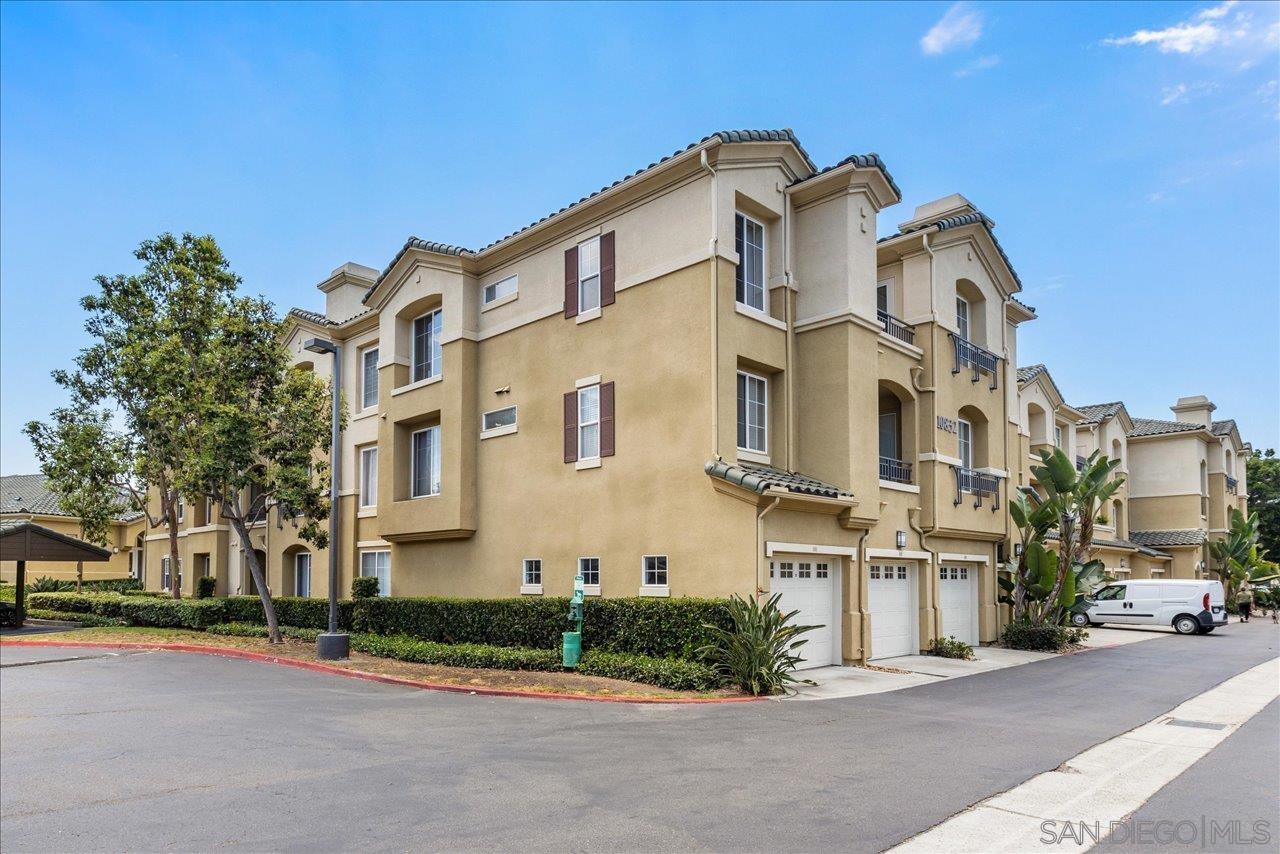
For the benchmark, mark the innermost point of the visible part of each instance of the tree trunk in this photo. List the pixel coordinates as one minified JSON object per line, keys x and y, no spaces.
{"x":171,"y":515}
{"x":79,"y":576}
{"x":259,"y":581}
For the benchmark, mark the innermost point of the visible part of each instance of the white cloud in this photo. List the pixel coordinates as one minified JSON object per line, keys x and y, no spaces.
{"x":1182,"y":92}
{"x":960,"y":27}
{"x":1226,"y":26}
{"x":982,"y":63}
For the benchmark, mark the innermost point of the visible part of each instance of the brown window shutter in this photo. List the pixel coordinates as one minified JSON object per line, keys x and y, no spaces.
{"x":571,"y":282}
{"x":606,"y":419}
{"x":571,"y":426}
{"x":606,"y":269}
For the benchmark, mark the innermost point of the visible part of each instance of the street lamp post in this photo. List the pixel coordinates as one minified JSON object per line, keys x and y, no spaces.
{"x":333,"y":644}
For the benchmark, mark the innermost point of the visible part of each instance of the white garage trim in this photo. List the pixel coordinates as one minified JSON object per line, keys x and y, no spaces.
{"x":835,"y":617}
{"x":895,"y":554}
{"x":959,"y":558}
{"x":772,"y":546}
{"x":887,"y":641}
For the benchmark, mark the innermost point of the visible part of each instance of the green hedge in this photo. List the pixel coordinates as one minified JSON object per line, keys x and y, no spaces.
{"x":102,"y":604}
{"x":251,"y":630}
{"x":72,"y":617}
{"x":172,"y":613}
{"x":651,"y":627}
{"x":678,"y":674}
{"x":290,"y":611}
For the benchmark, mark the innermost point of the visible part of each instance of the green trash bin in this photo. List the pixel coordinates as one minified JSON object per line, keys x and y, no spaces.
{"x":572,"y":648}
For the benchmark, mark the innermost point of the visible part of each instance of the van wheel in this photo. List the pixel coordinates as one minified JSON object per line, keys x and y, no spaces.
{"x":1185,"y":625}
{"x":1080,"y":620}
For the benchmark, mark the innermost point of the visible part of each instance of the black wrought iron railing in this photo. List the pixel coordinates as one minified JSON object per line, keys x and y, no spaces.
{"x":970,"y":355}
{"x":1232,"y":485}
{"x":895,"y":328}
{"x":895,"y":471}
{"x":978,"y":484}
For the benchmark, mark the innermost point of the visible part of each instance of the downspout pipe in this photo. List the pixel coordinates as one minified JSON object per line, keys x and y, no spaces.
{"x":789,"y":318}
{"x":713,"y":252}
{"x":760,"y":588}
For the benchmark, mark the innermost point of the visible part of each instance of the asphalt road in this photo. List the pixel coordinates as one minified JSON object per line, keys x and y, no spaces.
{"x":166,"y":751}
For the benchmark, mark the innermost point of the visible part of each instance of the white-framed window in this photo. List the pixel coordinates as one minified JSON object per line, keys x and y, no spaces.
{"x":424,"y":477}
{"x":749,"y":237}
{"x":302,"y":574}
{"x":182,"y":508}
{"x":498,"y":420}
{"x":377,"y":564}
{"x":206,"y":566}
{"x":753,"y":413}
{"x":589,"y":422}
{"x":531,"y":572}
{"x":426,"y":345}
{"x":964,"y":440}
{"x":589,"y":275}
{"x":889,"y":436}
{"x":1057,"y":436}
{"x":165,"y":579}
{"x":962,"y":317}
{"x":654,"y":571}
{"x":589,"y":569}
{"x":502,"y":288}
{"x":369,"y":476}
{"x":369,"y":377}
{"x":884,"y":295}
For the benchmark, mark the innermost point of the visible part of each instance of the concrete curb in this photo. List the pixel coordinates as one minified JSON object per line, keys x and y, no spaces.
{"x":315,"y":666}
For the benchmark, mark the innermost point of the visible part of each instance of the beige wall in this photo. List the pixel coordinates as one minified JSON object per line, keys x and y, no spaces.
{"x":121,"y":539}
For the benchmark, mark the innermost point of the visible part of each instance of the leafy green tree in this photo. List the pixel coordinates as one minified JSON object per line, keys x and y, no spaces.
{"x":1262,"y":477}
{"x":1236,"y":556}
{"x":126,"y":425}
{"x":1047,"y":583}
{"x":258,"y":425}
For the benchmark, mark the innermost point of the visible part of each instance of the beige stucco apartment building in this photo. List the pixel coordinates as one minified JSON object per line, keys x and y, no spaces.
{"x":28,"y":497}
{"x":705,"y":379}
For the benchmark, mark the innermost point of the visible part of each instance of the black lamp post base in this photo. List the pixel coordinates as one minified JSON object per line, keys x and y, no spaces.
{"x":333,"y":647}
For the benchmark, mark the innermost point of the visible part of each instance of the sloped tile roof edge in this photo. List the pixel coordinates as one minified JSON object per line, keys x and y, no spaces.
{"x":1166,"y":538}
{"x":725,"y":136}
{"x":960,"y":221}
{"x":1159,"y":427}
{"x":760,"y":478}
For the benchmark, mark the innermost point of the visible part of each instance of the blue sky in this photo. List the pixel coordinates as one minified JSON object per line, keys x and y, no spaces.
{"x":1129,"y":153}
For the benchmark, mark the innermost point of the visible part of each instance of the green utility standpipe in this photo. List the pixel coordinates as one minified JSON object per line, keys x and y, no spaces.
{"x":571,"y":649}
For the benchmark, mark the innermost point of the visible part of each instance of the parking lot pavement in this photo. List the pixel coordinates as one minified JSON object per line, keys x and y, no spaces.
{"x":165,"y":751}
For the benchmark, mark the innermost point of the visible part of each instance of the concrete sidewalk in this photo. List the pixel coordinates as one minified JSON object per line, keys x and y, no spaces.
{"x":893,"y":674}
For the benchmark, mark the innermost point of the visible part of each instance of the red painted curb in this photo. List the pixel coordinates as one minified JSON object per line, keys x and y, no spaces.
{"x":229,"y":652}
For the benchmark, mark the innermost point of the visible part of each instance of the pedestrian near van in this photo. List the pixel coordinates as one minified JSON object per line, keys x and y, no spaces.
{"x":1244,"y":603}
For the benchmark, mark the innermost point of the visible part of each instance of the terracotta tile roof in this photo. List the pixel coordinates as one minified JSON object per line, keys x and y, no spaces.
{"x":725,"y":136}
{"x":320,"y":319}
{"x":1095,"y":413}
{"x":1157,"y":426}
{"x":1222,"y":428}
{"x":1029,"y":373}
{"x":761,"y":478}
{"x":29,"y":493}
{"x":1181,"y":537}
{"x":960,"y":221}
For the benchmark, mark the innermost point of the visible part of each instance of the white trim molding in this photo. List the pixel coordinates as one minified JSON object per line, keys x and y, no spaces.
{"x":900,"y":487}
{"x":772,"y":547}
{"x":962,"y":558}
{"x":897,"y":554}
{"x":942,"y":458}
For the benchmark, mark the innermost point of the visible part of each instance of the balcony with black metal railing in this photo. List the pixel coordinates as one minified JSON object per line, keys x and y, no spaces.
{"x":895,"y":471}
{"x":1232,"y":485}
{"x":895,"y":328}
{"x":978,"y":484}
{"x":970,"y":355}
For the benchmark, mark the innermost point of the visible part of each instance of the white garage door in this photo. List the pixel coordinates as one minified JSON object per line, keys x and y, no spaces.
{"x":958,"y":596}
{"x":891,"y":599}
{"x":807,"y":586}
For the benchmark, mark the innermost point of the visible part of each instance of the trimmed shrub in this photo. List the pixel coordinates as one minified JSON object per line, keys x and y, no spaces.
{"x":950,"y":647}
{"x":250,"y":630}
{"x":364,"y":587}
{"x":290,"y":611}
{"x":92,"y":620}
{"x":1041,"y":638}
{"x":102,"y":604}
{"x":653,"y":627}
{"x":673,"y":673}
{"x":196,"y":614}
{"x":155,"y":594}
{"x":473,"y":655}
{"x":206,"y":586}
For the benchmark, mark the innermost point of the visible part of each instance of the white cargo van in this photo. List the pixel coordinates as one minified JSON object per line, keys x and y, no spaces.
{"x":1191,"y":607}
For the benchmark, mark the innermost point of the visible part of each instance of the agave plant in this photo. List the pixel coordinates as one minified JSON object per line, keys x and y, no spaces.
{"x":761,"y":649}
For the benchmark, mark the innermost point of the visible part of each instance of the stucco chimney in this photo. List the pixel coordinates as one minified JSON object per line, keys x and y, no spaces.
{"x":345,"y":288}
{"x":1196,"y":409}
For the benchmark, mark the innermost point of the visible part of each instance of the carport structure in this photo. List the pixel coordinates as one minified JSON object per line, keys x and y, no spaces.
{"x":24,"y":540}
